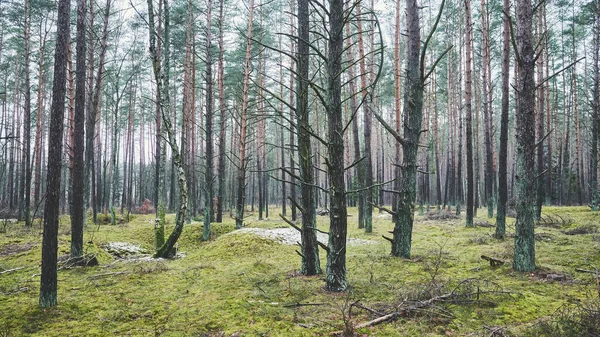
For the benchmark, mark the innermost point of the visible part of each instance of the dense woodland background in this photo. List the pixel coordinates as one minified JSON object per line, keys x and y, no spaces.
{"x":124,"y":153}
{"x":238,"y":106}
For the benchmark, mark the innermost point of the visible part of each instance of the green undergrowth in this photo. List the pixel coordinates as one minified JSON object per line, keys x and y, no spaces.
{"x":245,"y":285}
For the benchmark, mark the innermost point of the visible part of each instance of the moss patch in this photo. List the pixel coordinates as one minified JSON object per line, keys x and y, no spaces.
{"x":246,"y":285}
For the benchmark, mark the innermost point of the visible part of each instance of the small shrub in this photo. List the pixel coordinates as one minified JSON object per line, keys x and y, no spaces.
{"x":146,"y":207}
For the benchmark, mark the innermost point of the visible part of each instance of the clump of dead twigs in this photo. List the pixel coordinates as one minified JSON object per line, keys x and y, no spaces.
{"x":441,"y":215}
{"x":554,"y":221}
{"x":575,"y":319}
{"x":470,"y":291}
{"x":586,"y":229}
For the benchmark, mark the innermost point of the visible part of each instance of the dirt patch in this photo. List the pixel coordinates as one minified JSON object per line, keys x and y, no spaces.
{"x":16,"y":248}
{"x":290,"y":236}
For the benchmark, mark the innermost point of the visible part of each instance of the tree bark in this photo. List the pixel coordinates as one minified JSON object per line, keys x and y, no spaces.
{"x":48,"y":281}
{"x":26,"y":168}
{"x":469,"y":115}
{"x":223,"y":119}
{"x":243,"y":160}
{"x":208,"y":128}
{"x":487,"y":112}
{"x":166,"y":250}
{"x":413,"y":110}
{"x":594,"y":191}
{"x":77,"y":183}
{"x":503,"y":156}
{"x":310,"y":250}
{"x":338,"y":227}
{"x":524,"y":258}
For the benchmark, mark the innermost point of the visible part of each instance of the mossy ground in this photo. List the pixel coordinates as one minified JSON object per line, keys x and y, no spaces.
{"x":245,"y":285}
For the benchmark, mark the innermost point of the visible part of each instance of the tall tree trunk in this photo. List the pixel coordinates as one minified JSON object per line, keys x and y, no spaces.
{"x":39,"y":124}
{"x":359,"y":169}
{"x":549,"y":174}
{"x":486,"y":88}
{"x":469,"y":113}
{"x":282,"y":136}
{"x":524,"y":258}
{"x":48,"y":281}
{"x":367,"y":163}
{"x":413,"y":109}
{"x":292,"y":131}
{"x":166,"y":249}
{"x":397,"y":103}
{"x":540,"y":122}
{"x":77,"y":183}
{"x":26,"y":168}
{"x":94,"y":113}
{"x":208,"y":128}
{"x":243,"y":160}
{"x":160,"y":147}
{"x":310,"y":250}
{"x":338,"y":226}
{"x":594,"y":191}
{"x":223,"y":119}
{"x":502,"y":158}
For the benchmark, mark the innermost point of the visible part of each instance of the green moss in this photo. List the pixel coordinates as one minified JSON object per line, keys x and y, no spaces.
{"x":242,"y":284}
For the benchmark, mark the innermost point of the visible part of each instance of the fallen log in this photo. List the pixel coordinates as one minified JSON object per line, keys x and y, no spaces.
{"x":494,"y":263}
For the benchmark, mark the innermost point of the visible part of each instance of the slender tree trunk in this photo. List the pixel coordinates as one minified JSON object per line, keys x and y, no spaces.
{"x":94,"y":113}
{"x":524,"y":258}
{"x":166,"y":249}
{"x":223,"y":119}
{"x":549,"y":174}
{"x":367,"y":163}
{"x":413,"y":109}
{"x":282,"y":136}
{"x":468,"y":117}
{"x":359,"y":170}
{"x":243,"y":160}
{"x":38,"y":124}
{"x":594,"y":191}
{"x":48,"y":281}
{"x":310,"y":250}
{"x":489,"y":158}
{"x":208,"y":128}
{"x":397,"y":103}
{"x":292,"y":131}
{"x":77,"y":183}
{"x":26,"y":168}
{"x":540,"y":125}
{"x":338,"y":226}
{"x":502,"y":158}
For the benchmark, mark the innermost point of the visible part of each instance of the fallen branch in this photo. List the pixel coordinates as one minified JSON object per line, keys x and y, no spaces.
{"x":298,"y":304}
{"x":402,"y":312}
{"x":587,"y":271}
{"x":494,"y":263}
{"x":94,"y":277}
{"x":11,"y":270}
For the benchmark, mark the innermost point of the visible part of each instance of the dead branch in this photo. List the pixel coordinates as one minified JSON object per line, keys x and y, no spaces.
{"x":11,"y":270}
{"x":494,"y":263}
{"x":94,"y":277}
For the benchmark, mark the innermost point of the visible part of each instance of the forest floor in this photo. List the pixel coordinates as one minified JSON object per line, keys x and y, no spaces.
{"x":246,"y":283}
